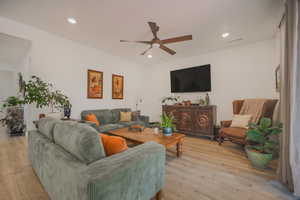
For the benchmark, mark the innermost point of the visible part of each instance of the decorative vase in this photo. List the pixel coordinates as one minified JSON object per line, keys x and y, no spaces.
{"x":207,"y":100}
{"x":167,"y":131}
{"x":67,"y":112}
{"x":258,"y":160}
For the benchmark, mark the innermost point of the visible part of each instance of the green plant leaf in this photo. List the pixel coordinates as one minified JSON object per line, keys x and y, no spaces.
{"x":255,"y":135}
{"x":265,"y":123}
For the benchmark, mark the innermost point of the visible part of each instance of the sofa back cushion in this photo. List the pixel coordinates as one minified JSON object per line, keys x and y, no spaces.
{"x":116,"y":113}
{"x":46,"y":126}
{"x":80,"y":140}
{"x":104,"y":116}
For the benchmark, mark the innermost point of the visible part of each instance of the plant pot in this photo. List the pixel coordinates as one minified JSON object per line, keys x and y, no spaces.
{"x":258,"y":160}
{"x":167,"y":131}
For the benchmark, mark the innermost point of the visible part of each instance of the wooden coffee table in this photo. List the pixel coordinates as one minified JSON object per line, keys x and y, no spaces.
{"x":148,"y":135}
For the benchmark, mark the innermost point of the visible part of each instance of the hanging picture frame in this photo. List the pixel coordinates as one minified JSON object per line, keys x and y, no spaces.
{"x":117,"y":86}
{"x":95,"y":84}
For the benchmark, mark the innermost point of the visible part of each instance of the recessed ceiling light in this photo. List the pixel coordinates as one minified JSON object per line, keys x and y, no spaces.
{"x":72,"y":20}
{"x":225,"y":35}
{"x":149,"y":56}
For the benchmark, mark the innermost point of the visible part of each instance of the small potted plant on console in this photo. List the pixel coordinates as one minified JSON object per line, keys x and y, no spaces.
{"x":167,"y":124}
{"x":260,"y":146}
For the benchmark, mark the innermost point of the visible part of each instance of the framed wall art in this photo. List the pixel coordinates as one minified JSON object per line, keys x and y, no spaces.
{"x":117,"y":86}
{"x":277,"y":78}
{"x":95,"y":84}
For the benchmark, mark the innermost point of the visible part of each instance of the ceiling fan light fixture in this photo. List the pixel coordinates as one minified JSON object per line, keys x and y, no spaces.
{"x":156,"y":45}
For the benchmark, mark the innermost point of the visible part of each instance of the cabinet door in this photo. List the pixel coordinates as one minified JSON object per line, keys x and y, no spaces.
{"x":185,"y":120}
{"x":203,"y":122}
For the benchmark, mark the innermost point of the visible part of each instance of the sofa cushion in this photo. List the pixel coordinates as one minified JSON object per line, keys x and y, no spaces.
{"x":92,"y":118}
{"x":104,"y":116}
{"x":125,"y":116}
{"x":46,"y":126}
{"x":234,"y":132}
{"x":109,"y":127}
{"x":116,"y":114}
{"x":80,"y":140}
{"x":127,"y":124}
{"x":113,"y":144}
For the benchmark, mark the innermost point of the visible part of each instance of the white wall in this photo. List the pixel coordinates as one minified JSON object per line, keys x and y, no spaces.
{"x":7,"y":84}
{"x":65,"y":63}
{"x":236,"y":72}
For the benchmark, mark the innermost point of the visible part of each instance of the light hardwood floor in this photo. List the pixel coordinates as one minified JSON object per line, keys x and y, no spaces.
{"x":206,"y":171}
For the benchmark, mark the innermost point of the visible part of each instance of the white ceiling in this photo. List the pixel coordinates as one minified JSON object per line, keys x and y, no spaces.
{"x":102,"y":23}
{"x":12,"y":50}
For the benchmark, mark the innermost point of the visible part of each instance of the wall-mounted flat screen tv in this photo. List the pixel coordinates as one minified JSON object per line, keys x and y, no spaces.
{"x":194,"y":79}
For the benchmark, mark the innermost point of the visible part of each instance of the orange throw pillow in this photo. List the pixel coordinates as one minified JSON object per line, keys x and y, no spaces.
{"x":113,"y":144}
{"x":92,"y":118}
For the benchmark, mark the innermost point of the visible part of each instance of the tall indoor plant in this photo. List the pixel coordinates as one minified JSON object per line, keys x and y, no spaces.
{"x":167,"y":124}
{"x":42,"y":94}
{"x":260,"y":145}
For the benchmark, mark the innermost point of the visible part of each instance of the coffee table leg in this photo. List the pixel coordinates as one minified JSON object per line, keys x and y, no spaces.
{"x":179,"y":148}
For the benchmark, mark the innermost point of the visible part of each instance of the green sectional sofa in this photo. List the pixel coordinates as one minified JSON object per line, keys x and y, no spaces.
{"x":70,"y":161}
{"x":110,"y":119}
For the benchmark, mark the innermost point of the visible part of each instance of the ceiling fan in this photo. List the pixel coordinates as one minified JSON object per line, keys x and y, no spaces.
{"x":156,"y":42}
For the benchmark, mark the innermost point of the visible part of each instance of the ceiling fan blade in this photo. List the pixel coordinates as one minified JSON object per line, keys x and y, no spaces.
{"x":177,"y":39}
{"x":146,"y":51}
{"x":170,"y":51}
{"x":154,"y":28}
{"x":143,"y":42}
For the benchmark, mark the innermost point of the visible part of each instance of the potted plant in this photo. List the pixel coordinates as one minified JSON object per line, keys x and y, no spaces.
{"x":260,"y":146}
{"x":167,"y":124}
{"x":14,"y":115}
{"x":42,"y":94}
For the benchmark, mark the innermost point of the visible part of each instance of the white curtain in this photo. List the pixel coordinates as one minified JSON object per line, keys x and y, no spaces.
{"x":289,"y":166}
{"x":294,"y":6}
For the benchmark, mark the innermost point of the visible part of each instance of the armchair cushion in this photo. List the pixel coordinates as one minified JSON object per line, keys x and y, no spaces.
{"x":241,"y":121}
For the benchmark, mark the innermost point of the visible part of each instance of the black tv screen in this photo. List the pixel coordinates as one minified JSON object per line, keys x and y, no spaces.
{"x":194,"y":79}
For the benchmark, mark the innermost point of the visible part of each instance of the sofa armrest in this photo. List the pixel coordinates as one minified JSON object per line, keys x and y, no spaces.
{"x":226,"y":123}
{"x":137,"y":173}
{"x":144,"y":119}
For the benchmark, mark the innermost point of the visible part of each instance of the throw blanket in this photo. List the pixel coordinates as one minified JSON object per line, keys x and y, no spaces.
{"x":253,"y":107}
